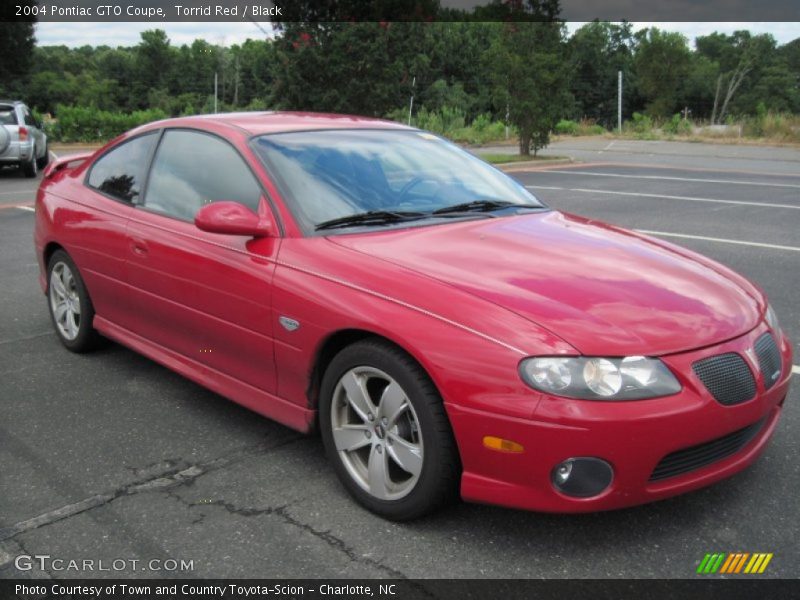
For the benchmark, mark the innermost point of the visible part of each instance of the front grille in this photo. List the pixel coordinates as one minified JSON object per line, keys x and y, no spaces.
{"x":689,"y":459}
{"x":727,"y":377}
{"x":769,"y":359}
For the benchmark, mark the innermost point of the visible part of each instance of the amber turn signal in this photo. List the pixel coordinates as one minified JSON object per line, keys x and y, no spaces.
{"x":501,"y":445}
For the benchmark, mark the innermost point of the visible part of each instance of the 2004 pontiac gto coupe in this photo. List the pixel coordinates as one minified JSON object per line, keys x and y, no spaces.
{"x":441,"y":327}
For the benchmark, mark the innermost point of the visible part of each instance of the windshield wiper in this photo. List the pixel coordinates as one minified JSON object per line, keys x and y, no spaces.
{"x":372,"y":217}
{"x":483,"y":206}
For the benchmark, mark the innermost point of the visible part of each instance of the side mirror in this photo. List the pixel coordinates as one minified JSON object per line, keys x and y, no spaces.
{"x":231,"y":218}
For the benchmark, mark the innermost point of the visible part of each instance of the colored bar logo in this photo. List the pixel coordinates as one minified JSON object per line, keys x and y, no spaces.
{"x":734,"y":563}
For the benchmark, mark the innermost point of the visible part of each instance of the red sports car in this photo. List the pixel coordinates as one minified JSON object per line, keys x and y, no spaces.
{"x":442,"y":328}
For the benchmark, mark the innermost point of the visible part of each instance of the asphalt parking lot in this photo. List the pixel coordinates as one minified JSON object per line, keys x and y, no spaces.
{"x":110,"y":456}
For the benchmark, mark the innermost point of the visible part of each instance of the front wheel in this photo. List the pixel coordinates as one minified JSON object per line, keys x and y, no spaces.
{"x":386,"y":432}
{"x":70,"y":306}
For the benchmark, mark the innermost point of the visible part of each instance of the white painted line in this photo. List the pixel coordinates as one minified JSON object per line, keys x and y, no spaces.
{"x":721,"y":240}
{"x":544,"y":187}
{"x":662,"y":177}
{"x":796,"y":369}
{"x":28,"y":208}
{"x":54,"y":155}
{"x":684,"y":198}
{"x":611,"y":143}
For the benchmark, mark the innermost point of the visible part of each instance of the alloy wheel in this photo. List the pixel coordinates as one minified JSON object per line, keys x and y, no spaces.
{"x":376,"y":432}
{"x":64,"y":301}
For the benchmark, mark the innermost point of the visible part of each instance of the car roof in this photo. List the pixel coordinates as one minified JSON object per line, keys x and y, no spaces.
{"x":257,"y":123}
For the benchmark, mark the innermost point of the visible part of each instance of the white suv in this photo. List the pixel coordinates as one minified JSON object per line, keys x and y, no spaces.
{"x":22,"y":140}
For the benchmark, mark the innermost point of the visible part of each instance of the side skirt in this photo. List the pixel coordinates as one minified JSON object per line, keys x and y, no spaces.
{"x":266,"y":404}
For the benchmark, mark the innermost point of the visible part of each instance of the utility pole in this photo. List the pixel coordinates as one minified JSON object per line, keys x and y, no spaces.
{"x":619,"y":101}
{"x":411,"y":102}
{"x":215,"y":91}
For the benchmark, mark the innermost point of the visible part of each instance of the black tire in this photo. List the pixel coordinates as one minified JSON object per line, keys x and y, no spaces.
{"x":31,"y":168}
{"x":438,"y":480}
{"x":87,"y":337}
{"x":45,"y":160}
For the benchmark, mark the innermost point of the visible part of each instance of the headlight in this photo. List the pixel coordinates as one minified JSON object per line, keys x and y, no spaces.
{"x":595,"y":378}
{"x":772,"y":319}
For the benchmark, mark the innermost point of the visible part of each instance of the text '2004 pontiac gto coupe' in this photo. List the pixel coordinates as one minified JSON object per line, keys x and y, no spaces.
{"x":442,"y":328}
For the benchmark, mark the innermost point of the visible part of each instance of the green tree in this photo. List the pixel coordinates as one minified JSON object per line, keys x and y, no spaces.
{"x":255,"y":59}
{"x":16,"y":50}
{"x":357,"y":68}
{"x":698,"y":89}
{"x":742,"y":59}
{"x":661,"y":63}
{"x":154,"y":60}
{"x":599,"y":50}
{"x":529,"y":71}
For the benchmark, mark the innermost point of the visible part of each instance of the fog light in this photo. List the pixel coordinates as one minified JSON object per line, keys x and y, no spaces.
{"x":582,"y":477}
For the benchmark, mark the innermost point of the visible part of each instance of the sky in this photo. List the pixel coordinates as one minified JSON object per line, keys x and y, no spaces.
{"x":227,"y":33}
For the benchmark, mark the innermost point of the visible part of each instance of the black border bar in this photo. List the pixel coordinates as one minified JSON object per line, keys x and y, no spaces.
{"x":165,"y":11}
{"x":711,"y":588}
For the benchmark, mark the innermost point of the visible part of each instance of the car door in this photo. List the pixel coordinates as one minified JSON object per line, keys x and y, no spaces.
{"x":204,"y":296}
{"x":93,"y":225}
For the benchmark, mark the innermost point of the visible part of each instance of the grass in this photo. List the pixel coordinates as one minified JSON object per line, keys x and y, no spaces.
{"x":499,"y":159}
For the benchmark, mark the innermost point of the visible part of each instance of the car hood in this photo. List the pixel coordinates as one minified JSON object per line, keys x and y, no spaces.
{"x":604,"y":290}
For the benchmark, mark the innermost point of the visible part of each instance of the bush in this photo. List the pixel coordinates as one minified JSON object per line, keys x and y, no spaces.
{"x":584,"y":127}
{"x":482,"y":130}
{"x":445,"y":121}
{"x":87,"y":124}
{"x":783,"y":127}
{"x":566,"y":127}
{"x":678,"y":126}
{"x":641,"y":126}
{"x":450,"y":123}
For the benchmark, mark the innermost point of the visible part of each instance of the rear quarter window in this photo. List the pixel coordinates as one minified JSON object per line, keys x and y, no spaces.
{"x":8,"y":116}
{"x":120,"y":172}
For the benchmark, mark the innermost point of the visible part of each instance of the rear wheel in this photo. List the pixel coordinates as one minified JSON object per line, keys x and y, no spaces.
{"x":31,"y":168}
{"x":386,"y":432}
{"x":70,"y":306}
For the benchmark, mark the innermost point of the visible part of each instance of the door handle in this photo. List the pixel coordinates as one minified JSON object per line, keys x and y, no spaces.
{"x":139,"y":247}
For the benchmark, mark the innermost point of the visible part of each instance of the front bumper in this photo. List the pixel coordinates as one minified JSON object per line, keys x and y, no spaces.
{"x":632,"y":436}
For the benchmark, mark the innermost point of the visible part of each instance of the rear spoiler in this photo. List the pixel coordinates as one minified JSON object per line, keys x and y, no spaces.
{"x":61,"y":163}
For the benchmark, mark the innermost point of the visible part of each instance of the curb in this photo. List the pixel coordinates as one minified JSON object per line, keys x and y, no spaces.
{"x":529,"y":165}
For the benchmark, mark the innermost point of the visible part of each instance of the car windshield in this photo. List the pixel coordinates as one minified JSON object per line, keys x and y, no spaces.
{"x":387,"y":176}
{"x":8,"y":115}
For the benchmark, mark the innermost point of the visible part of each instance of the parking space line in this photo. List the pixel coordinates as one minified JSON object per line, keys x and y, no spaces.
{"x":720,"y":240}
{"x":796,"y":369}
{"x":667,"y":178}
{"x":668,"y":197}
{"x":28,"y":208}
{"x":17,"y":205}
{"x":684,"y":168}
